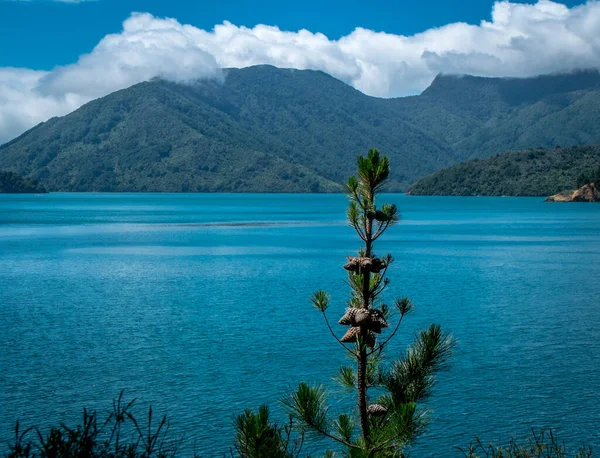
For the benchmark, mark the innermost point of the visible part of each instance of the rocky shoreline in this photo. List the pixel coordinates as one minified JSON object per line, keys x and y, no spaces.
{"x":587,"y":193}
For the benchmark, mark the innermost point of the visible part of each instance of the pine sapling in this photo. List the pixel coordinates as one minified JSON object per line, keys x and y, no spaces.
{"x":387,"y":416}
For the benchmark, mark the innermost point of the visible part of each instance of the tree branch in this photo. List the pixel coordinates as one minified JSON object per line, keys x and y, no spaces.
{"x":380,"y":347}
{"x":353,"y":353}
{"x":331,"y":436}
{"x":380,"y":231}
{"x":359,"y":231}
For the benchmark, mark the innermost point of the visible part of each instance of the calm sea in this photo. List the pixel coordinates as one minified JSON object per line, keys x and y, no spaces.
{"x":199,"y":305}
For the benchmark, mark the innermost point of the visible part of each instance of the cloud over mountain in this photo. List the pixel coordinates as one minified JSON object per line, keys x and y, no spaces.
{"x":519,"y":40}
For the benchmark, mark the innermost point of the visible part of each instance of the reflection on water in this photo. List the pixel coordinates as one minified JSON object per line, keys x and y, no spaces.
{"x":189,"y":250}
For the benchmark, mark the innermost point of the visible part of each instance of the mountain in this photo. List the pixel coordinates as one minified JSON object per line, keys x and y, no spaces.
{"x":264,"y":129}
{"x":12,"y":183}
{"x":508,"y":114}
{"x":536,"y":172}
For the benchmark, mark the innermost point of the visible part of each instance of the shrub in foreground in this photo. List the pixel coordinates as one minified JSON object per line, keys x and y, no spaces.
{"x":543,"y":444}
{"x":119,"y":435}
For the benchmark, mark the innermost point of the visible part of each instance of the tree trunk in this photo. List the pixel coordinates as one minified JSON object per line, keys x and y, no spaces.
{"x":362,"y":394}
{"x":362,"y":356}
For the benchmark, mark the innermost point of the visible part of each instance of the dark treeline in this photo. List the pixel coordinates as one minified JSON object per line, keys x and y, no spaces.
{"x":536,"y":172}
{"x":11,"y":182}
{"x":587,"y":178}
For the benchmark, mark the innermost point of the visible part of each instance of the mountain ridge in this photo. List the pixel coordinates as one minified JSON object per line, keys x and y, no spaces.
{"x":264,"y":129}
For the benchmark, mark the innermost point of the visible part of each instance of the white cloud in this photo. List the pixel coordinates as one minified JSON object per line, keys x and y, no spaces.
{"x":22,"y":106}
{"x":146,"y":48}
{"x":518,"y":40}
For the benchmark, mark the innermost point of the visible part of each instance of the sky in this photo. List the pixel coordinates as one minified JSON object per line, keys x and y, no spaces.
{"x":56,"y":55}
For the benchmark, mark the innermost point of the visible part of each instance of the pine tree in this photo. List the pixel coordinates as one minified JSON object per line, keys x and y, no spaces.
{"x":388,"y":424}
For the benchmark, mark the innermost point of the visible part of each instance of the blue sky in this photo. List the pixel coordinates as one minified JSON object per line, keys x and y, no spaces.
{"x":56,"y":55}
{"x":40,"y":34}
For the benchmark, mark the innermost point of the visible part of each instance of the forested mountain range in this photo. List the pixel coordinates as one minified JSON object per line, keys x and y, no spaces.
{"x":264,"y":129}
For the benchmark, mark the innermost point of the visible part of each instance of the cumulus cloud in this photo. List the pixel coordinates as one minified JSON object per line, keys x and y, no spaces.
{"x":518,"y":40}
{"x":146,"y":48}
{"x":22,"y":106}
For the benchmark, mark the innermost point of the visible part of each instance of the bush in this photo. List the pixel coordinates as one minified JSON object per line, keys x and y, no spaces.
{"x":120,"y":435}
{"x":539,"y":445}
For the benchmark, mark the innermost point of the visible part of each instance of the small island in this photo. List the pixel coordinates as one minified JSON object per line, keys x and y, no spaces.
{"x":13,"y":183}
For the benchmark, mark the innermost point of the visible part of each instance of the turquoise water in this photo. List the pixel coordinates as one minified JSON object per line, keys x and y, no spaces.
{"x":198,"y":305}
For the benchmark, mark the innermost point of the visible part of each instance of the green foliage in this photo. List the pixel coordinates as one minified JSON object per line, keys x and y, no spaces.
{"x":257,"y":437}
{"x":345,"y":426}
{"x":411,"y":378}
{"x":539,"y":445}
{"x":373,"y":171}
{"x":540,"y":172}
{"x":308,"y":407}
{"x":264,"y":129}
{"x":404,"y":305}
{"x":347,"y":377}
{"x":11,"y":182}
{"x":120,"y":435}
{"x":587,"y":178}
{"x":320,"y":300}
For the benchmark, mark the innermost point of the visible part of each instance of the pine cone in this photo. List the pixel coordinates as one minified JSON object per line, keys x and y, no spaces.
{"x":371,"y":319}
{"x":375,"y":327}
{"x":370,"y":340}
{"x":350,"y":335}
{"x":361,"y":317}
{"x":348,"y":318}
{"x":352,"y":265}
{"x":376,"y":316}
{"x":377,"y":265}
{"x":361,"y":264}
{"x":377,"y":410}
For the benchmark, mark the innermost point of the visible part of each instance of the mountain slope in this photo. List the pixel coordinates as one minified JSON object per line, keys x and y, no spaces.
{"x":149,"y":138}
{"x":504,"y":114}
{"x":311,"y":118}
{"x":282,"y":130}
{"x":261,"y":129}
{"x":538,"y":172}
